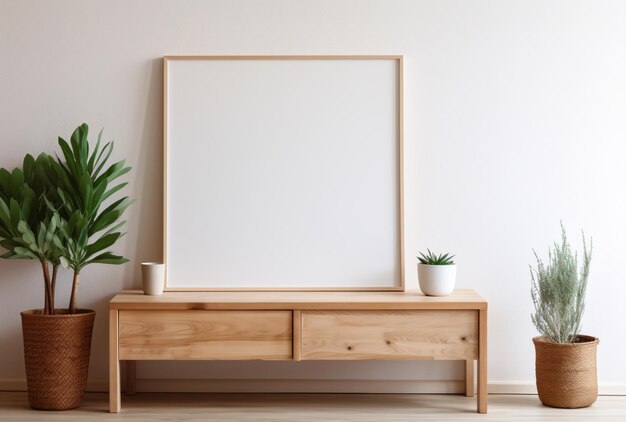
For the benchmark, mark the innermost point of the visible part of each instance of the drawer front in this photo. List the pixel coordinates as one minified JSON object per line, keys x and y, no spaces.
{"x":390,"y":335}
{"x":197,"y":334}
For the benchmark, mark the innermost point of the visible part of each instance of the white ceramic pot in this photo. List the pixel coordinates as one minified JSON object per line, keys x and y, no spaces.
{"x":436,"y":280}
{"x":153,"y":278}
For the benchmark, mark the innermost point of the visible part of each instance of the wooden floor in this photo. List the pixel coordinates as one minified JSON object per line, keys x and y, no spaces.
{"x":311,"y":407}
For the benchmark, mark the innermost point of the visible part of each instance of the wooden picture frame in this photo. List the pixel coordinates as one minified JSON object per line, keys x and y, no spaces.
{"x":192,"y":88}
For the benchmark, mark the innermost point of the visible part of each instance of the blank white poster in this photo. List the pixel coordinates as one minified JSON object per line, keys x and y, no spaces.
{"x":283,"y":173}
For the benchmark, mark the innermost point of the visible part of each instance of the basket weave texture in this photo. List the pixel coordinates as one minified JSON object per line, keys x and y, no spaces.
{"x":566,"y":372}
{"x":56,"y":352}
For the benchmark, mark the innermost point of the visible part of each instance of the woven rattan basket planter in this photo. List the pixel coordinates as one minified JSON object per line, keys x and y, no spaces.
{"x":566,"y":372}
{"x":56,"y":351}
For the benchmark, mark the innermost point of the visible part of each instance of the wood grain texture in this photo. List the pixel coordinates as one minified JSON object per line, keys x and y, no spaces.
{"x":191,"y":335}
{"x":280,"y":300}
{"x":297,"y":335}
{"x":156,"y":407}
{"x":131,"y":376}
{"x":389,"y":335}
{"x":269,"y":325}
{"x":482,"y":361}
{"x":284,"y":289}
{"x":289,"y":57}
{"x":469,"y":378}
{"x":115,"y":398}
{"x":400,"y":129}
{"x":166,"y":123}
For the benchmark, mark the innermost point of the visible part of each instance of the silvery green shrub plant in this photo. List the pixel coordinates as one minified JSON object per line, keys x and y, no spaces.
{"x":558,"y":290}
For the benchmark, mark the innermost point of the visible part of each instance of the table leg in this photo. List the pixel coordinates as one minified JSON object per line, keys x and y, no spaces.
{"x":482,"y":361}
{"x":469,"y":378}
{"x":114,"y":364}
{"x":297,"y":335}
{"x":131,"y":376}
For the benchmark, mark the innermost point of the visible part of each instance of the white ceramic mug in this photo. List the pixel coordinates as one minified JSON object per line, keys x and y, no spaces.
{"x":153,"y":278}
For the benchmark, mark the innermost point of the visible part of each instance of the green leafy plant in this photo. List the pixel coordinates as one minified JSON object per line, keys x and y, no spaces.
{"x":85,"y":181}
{"x":53,"y":210}
{"x":28,"y":229}
{"x":558,"y":290}
{"x":434,"y":259}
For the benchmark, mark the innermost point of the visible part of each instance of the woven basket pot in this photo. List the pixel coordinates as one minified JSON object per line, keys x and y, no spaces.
{"x":56,"y":351}
{"x":566,"y":372}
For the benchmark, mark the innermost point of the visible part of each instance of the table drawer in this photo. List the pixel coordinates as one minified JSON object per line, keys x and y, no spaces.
{"x":199,"y":334}
{"x":390,"y":335}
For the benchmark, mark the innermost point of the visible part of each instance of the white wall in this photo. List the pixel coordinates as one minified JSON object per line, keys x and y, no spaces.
{"x":514,"y":120}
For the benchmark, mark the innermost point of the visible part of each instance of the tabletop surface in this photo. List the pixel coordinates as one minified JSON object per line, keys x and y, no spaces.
{"x":410,"y":299}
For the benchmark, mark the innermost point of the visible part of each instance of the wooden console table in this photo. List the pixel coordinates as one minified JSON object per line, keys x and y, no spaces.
{"x":280,"y":325}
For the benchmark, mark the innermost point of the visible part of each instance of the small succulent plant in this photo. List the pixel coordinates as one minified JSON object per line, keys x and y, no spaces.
{"x":434,"y":259}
